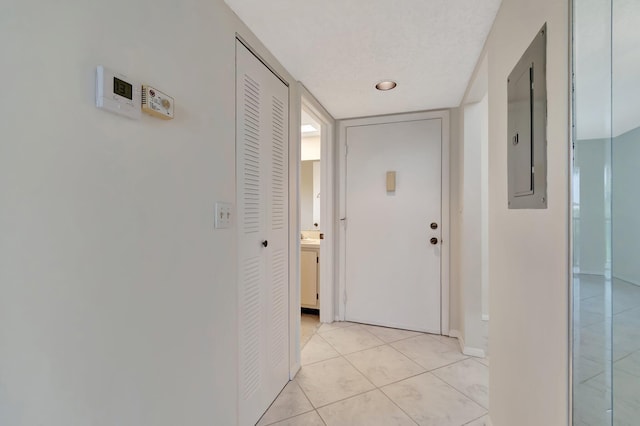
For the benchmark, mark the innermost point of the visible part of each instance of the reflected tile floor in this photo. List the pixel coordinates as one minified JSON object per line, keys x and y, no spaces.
{"x":356,"y":374}
{"x":598,"y":368}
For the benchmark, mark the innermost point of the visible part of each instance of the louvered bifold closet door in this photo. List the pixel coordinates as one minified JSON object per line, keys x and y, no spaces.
{"x":263,"y":266}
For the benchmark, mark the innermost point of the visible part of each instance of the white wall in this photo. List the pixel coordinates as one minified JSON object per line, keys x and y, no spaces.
{"x":484,"y":206}
{"x":310,"y":148}
{"x":456,"y":315}
{"x":306,"y":195}
{"x":589,"y":226}
{"x":472,"y":223}
{"x":316,"y":195}
{"x":626,"y":206}
{"x":528,"y":249}
{"x":117,"y":296}
{"x":605,"y":192}
{"x":471,"y":214}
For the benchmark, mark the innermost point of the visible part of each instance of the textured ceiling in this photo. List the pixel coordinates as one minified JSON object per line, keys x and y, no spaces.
{"x":339,"y":49}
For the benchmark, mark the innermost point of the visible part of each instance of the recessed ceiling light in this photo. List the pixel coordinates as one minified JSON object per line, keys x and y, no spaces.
{"x":308,"y":128}
{"x":386,"y":85}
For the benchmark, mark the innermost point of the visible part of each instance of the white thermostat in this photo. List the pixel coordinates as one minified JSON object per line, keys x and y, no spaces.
{"x":156,"y":103}
{"x":117,"y":93}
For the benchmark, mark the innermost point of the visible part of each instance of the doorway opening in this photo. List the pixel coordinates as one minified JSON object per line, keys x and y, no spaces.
{"x":310,"y":224}
{"x":317,"y":220}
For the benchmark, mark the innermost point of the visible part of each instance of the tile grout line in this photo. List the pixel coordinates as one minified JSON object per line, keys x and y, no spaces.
{"x":429,"y":335}
{"x":288,"y":418}
{"x":299,"y":387}
{"x":306,"y":397}
{"x":341,"y":354}
{"x":461,"y":393}
{"x":399,"y":407}
{"x":349,"y":397}
{"x":397,"y":381}
{"x":322,"y":360}
{"x":336,"y":328}
{"x":375,"y":387}
{"x":379,"y":388}
{"x":271,"y":405}
{"x":477,"y":359}
{"x":476,"y":419}
{"x":308,"y":400}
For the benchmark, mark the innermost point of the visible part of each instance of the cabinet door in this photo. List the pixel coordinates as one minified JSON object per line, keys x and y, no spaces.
{"x":309,"y":278}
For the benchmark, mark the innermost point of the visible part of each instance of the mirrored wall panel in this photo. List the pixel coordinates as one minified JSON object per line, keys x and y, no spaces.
{"x":606,"y":213}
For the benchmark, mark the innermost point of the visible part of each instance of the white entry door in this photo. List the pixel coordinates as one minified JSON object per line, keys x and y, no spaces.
{"x":392,"y":266}
{"x":262,"y":128}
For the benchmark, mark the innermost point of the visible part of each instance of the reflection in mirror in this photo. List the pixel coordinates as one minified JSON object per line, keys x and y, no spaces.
{"x":310,"y":173}
{"x":606,"y":224}
{"x":310,"y":195}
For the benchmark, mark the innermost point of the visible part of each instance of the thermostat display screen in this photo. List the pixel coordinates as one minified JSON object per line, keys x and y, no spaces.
{"x":122,"y":88}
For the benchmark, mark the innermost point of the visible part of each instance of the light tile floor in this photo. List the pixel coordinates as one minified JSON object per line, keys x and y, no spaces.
{"x":355,"y":374}
{"x":606,"y":363}
{"x":309,"y":323}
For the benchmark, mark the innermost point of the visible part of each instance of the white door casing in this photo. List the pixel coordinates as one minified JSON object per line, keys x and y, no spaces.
{"x":391,"y":274}
{"x":262,"y":210}
{"x":327,"y":268}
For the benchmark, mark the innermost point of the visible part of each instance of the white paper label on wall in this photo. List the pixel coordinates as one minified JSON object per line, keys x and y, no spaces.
{"x":117,"y":93}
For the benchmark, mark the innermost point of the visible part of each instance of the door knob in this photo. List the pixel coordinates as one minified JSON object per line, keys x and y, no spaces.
{"x":434,"y":241}
{"x":265,"y":243}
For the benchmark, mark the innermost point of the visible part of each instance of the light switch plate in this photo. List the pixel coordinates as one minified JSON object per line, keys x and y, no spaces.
{"x":223,"y":215}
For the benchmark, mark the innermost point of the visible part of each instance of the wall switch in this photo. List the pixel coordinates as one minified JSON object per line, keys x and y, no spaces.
{"x":223,"y":215}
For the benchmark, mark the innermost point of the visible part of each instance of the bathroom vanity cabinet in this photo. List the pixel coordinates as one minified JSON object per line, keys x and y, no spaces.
{"x":309,"y":274}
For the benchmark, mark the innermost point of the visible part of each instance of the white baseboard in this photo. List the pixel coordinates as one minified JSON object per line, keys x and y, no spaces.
{"x":474,"y":352}
{"x":619,"y":277}
{"x":586,"y":272}
{"x":455,"y":333}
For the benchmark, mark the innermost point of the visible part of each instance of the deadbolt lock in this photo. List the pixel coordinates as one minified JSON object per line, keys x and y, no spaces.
{"x":434,"y":241}
{"x":434,"y":225}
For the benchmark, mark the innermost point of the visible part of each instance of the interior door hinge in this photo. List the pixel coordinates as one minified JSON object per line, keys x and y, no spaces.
{"x":346,"y":150}
{"x":317,"y":259}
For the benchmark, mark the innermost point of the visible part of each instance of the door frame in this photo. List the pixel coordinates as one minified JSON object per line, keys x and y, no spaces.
{"x":304,"y":98}
{"x":343,"y":125}
{"x":327,"y":217}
